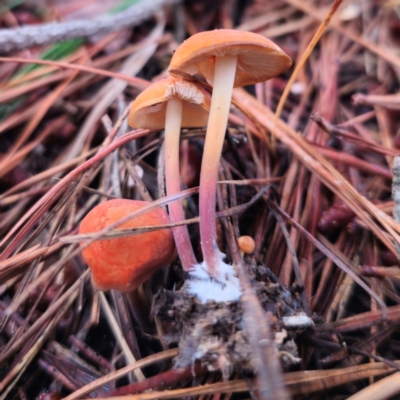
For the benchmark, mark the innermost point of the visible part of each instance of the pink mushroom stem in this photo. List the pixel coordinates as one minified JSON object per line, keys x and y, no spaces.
{"x":224,"y":77}
{"x":172,"y":134}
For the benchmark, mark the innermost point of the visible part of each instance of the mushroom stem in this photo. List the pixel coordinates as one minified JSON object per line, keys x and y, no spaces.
{"x":224,"y":77}
{"x":172,"y":134}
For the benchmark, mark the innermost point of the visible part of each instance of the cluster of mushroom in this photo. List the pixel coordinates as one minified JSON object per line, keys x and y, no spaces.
{"x":226,"y":59}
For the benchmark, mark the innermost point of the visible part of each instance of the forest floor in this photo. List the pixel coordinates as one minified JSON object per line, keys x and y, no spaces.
{"x":306,"y":172}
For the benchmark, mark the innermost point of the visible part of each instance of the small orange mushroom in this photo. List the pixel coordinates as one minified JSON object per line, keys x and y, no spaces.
{"x":125,"y":263}
{"x":246,"y":244}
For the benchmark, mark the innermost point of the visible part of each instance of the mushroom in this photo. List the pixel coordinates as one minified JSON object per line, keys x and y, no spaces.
{"x":227,"y":59}
{"x":246,"y":245}
{"x":125,"y":263}
{"x":173,"y":103}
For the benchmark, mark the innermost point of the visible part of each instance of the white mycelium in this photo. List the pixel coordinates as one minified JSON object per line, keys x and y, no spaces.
{"x":205,"y":288}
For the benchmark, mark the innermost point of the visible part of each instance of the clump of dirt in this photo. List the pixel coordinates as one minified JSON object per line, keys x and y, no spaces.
{"x":214,"y":333}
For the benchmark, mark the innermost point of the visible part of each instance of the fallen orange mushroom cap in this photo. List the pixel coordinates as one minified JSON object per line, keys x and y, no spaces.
{"x":125,"y":263}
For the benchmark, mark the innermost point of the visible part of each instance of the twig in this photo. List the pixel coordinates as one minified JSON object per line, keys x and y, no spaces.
{"x":389,"y":56}
{"x":162,"y":379}
{"x":309,"y":49}
{"x":112,"y":89}
{"x":257,"y":324}
{"x":391,"y":101}
{"x":58,"y":308}
{"x":337,"y":131}
{"x":120,"y":337}
{"x":34,"y":214}
{"x":154,"y":358}
{"x":295,"y":261}
{"x":338,"y":262}
{"x":396,"y":195}
{"x":110,"y":233}
{"x":301,"y":382}
{"x":12,"y":40}
{"x":385,"y":388}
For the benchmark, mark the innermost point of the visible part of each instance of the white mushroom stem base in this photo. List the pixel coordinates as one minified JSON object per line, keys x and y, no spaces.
{"x":206,"y":288}
{"x":224,"y":77}
{"x":173,"y":120}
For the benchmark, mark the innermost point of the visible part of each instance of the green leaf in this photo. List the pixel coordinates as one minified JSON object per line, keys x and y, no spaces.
{"x":55,"y":52}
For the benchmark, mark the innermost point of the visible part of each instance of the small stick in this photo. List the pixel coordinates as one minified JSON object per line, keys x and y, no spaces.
{"x":309,"y":49}
{"x":321,"y":247}
{"x":383,"y":389}
{"x":12,"y":40}
{"x":110,"y":232}
{"x":36,"y":212}
{"x":89,"y":353}
{"x":112,"y":376}
{"x":163,"y":379}
{"x":131,"y":167}
{"x":130,"y":358}
{"x":64,"y":301}
{"x":269,"y":377}
{"x":396,"y":196}
{"x":57,"y":374}
{"x":295,"y":262}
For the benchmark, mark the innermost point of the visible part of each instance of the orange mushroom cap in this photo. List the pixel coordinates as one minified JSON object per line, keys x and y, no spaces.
{"x":259,"y":59}
{"x":148,"y":109}
{"x":246,"y":244}
{"x":125,"y":263}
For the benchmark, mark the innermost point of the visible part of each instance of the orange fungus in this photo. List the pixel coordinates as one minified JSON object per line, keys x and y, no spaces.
{"x":125,"y":263}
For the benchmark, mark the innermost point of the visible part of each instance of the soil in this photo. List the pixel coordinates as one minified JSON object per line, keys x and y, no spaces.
{"x":214,"y":334}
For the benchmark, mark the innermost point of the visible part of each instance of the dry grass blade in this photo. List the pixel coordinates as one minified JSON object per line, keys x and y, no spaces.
{"x":362,"y":320}
{"x":388,"y":56}
{"x":131,"y":66}
{"x":119,"y":336}
{"x":131,"y":80}
{"x":45,"y":202}
{"x":9,"y":161}
{"x":304,"y":382}
{"x":121,"y":373}
{"x":111,"y":232}
{"x":16,"y":264}
{"x":50,"y":173}
{"x":385,"y":388}
{"x":63,"y":302}
{"x":305,"y":56}
{"x":328,"y":174}
{"x":21,"y":38}
{"x":7,"y":384}
{"x":338,"y":262}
